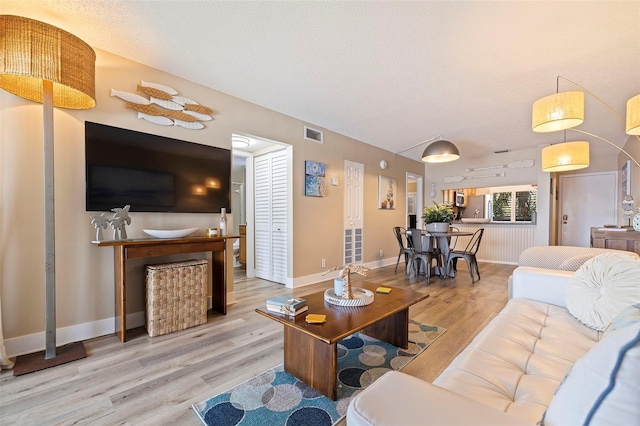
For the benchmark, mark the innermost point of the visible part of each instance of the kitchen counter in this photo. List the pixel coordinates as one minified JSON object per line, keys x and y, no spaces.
{"x":457,"y":223}
{"x":501,"y":242}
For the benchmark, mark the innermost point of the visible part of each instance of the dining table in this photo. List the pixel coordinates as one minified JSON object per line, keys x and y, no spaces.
{"x":442,"y":240}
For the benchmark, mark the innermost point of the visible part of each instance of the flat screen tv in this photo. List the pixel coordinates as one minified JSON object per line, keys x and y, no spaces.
{"x":154,"y":173}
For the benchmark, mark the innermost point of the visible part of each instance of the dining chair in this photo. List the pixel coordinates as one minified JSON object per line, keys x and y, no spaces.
{"x":453,"y":240}
{"x":398,"y":231}
{"x":422,"y":249}
{"x":468,"y":254}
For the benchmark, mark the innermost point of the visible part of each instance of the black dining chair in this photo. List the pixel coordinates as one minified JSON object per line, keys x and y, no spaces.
{"x":399,"y":231}
{"x":422,"y":250}
{"x":468,"y":254}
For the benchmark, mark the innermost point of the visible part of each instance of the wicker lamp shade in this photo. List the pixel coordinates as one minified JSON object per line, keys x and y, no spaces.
{"x":633,"y":116}
{"x":558,"y":112}
{"x":32,"y":51}
{"x":565,"y":156}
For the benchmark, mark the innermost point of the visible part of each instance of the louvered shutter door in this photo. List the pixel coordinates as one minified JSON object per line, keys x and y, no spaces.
{"x":279,"y":217}
{"x":263,"y":216}
{"x":271,"y":174}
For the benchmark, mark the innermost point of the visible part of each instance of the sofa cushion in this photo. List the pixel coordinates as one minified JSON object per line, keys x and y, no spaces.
{"x":518,"y":360}
{"x":603,"y":387}
{"x":552,"y":257}
{"x":603,"y":287}
{"x":575,"y":262}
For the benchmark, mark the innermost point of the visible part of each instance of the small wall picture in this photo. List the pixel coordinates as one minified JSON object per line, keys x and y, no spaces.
{"x":314,"y":179}
{"x":386,"y":193}
{"x":625,"y":178}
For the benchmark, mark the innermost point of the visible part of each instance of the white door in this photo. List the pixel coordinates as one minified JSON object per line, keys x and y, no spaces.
{"x":586,"y":200}
{"x":353,"y":205}
{"x":271,"y":215}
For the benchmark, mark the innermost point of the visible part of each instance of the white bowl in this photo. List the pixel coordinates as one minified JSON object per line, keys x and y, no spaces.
{"x":170,"y":233}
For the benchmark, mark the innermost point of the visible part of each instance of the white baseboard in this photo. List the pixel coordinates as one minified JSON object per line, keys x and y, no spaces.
{"x":316,"y":278}
{"x":35,"y":342}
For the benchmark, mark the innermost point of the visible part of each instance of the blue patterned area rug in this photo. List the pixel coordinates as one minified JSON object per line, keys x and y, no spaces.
{"x":278,"y":398}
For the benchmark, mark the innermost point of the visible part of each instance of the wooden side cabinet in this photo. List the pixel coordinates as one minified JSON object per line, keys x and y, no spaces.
{"x":242,"y":252}
{"x":617,"y":240}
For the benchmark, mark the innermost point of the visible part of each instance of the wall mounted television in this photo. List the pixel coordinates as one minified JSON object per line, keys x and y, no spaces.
{"x":153,"y":173}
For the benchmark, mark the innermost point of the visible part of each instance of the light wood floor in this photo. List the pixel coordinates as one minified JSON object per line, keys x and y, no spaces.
{"x":155,"y":381}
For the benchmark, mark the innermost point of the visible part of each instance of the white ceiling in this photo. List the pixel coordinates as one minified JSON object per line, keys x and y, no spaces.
{"x":391,"y":74}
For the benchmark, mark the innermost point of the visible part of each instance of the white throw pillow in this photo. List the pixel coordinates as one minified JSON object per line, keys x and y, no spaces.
{"x":603,"y":387}
{"x":603,"y":287}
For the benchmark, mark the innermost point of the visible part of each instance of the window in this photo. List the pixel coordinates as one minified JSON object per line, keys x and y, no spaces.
{"x":515,"y":205}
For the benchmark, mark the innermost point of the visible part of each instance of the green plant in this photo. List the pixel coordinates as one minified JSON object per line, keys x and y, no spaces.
{"x":438,"y":213}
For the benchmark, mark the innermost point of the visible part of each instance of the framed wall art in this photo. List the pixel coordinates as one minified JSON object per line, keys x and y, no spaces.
{"x":625,"y":178}
{"x":386,"y":193}
{"x":314,"y":179}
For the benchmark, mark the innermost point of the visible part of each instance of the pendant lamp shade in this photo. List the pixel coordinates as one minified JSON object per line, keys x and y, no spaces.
{"x":565,"y":156}
{"x":33,"y":51}
{"x":440,"y":152}
{"x":633,"y":116}
{"x":558,"y":112}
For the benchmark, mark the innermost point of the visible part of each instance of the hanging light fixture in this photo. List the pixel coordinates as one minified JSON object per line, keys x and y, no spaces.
{"x":566,"y":156}
{"x":633,"y":116}
{"x":564,"y":111}
{"x":48,"y":65}
{"x":440,"y":152}
{"x":558,"y":112}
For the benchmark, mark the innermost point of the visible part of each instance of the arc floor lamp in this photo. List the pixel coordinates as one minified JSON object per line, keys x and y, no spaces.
{"x":564,"y":111}
{"x":48,"y":65}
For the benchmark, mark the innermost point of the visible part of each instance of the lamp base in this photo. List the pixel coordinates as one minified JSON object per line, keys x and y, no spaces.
{"x":35,"y":362}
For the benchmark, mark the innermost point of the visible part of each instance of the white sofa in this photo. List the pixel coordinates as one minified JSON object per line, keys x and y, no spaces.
{"x":511,"y":370}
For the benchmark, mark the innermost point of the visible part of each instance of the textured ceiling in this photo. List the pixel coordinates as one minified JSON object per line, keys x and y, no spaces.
{"x":391,"y":74}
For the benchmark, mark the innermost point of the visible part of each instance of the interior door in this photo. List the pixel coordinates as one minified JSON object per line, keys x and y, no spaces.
{"x":353,"y":216}
{"x":271,"y":216}
{"x":586,"y":200}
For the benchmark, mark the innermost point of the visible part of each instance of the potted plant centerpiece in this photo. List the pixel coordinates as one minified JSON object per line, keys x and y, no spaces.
{"x":438,"y":217}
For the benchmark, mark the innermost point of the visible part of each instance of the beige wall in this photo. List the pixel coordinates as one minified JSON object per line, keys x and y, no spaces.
{"x":85,"y":293}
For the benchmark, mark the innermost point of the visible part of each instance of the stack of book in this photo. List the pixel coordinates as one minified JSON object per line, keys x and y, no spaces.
{"x":287,"y":305}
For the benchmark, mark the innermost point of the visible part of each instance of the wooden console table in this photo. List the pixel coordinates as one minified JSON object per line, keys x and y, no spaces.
{"x":616,"y":239}
{"x":133,"y":249}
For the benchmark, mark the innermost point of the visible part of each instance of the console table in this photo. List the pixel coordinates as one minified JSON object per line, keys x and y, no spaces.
{"x":150,"y":247}
{"x":615,"y":238}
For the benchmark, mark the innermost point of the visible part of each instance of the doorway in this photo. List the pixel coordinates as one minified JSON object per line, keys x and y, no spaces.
{"x":414,"y":203}
{"x":246,"y":149}
{"x":586,"y":200}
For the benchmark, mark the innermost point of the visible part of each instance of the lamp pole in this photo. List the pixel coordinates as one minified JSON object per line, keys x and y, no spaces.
{"x":49,"y":222}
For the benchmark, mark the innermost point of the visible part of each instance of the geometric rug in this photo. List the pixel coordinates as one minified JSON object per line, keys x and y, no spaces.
{"x":275,"y":397}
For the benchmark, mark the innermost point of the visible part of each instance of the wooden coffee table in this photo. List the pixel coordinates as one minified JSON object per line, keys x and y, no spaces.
{"x":310,"y":350}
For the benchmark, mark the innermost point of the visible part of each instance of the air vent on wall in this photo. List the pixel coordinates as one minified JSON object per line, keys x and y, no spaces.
{"x":313,"y":134}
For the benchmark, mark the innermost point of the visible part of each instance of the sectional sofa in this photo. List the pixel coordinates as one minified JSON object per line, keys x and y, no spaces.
{"x":535,"y":361}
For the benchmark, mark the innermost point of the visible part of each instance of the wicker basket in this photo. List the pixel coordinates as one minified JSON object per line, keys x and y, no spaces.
{"x":176,"y":296}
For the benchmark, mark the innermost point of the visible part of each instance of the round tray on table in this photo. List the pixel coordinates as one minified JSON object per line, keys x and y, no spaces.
{"x":361,"y":297}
